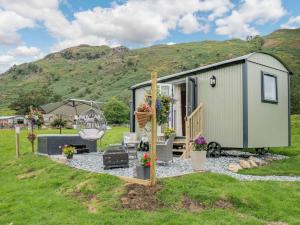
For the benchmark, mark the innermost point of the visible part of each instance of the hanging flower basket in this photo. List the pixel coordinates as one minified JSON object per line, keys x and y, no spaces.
{"x":143,"y":114}
{"x":142,"y":118}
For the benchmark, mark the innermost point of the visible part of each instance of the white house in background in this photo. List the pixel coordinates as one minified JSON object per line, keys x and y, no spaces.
{"x":245,"y":102}
{"x":11,"y":121}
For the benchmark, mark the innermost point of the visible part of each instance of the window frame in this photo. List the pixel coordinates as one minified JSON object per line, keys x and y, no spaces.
{"x":263,"y":99}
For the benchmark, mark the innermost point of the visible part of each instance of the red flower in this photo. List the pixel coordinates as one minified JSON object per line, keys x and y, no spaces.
{"x":148,"y":164}
{"x":145,"y":156}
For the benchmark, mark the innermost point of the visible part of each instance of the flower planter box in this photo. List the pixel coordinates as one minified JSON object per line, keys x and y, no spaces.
{"x":69,"y":156}
{"x":198,"y":160}
{"x":143,"y":172}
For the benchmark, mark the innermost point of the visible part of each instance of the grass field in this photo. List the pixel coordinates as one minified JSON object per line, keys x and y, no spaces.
{"x":36,"y":190}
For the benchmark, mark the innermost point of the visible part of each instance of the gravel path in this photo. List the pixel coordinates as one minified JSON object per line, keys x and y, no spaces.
{"x":93,"y":162}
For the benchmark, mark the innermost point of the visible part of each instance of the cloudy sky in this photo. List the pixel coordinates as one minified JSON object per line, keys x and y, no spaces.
{"x":29,"y":29}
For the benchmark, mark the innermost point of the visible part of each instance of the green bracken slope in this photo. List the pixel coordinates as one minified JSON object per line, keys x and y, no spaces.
{"x":99,"y":72}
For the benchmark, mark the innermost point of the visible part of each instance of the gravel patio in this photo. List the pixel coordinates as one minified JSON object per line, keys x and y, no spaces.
{"x":93,"y":162}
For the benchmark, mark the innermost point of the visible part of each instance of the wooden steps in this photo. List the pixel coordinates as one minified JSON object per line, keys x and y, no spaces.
{"x":179,"y":145}
{"x":181,"y":150}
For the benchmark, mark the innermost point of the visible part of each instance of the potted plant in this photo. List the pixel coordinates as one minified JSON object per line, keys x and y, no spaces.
{"x":143,"y":114}
{"x":68,"y":151}
{"x":198,"y":155}
{"x":143,"y":170}
{"x":168,"y":132}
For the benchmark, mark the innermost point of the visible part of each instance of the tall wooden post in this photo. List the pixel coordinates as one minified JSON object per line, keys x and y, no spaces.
{"x":17,"y":142}
{"x":60,"y":121}
{"x":32,"y":130}
{"x":154,"y":128}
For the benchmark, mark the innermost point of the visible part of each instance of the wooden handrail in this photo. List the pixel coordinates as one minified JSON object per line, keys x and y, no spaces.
{"x":193,"y":128}
{"x":195,"y":111}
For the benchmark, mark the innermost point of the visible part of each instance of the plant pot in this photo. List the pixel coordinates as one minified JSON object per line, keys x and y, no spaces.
{"x":69,"y":156}
{"x":142,"y":118}
{"x":198,"y":160}
{"x":143,"y":172}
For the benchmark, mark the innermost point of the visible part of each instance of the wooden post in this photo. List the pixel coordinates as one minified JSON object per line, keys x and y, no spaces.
{"x":60,"y":118}
{"x":32,"y":130}
{"x":18,"y":142}
{"x":154,"y":128}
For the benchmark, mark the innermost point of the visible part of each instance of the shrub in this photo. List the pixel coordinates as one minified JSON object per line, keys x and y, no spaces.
{"x":130,"y":62}
{"x":74,"y":89}
{"x":116,"y":112}
{"x":68,"y":150}
{"x":59,"y":123}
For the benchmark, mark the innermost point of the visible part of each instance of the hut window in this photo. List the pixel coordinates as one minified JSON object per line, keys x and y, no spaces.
{"x":269,"y":88}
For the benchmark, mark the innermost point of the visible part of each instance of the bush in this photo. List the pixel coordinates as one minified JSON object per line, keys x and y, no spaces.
{"x":58,"y":123}
{"x":116,"y":112}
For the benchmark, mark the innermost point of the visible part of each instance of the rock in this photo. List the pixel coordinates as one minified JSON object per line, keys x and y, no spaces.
{"x":262,"y":163}
{"x":255,"y":159}
{"x":244,"y":164}
{"x":270,"y":158}
{"x":252,"y":163}
{"x":132,"y":194}
{"x":234,"y":167}
{"x":125,"y":201}
{"x":258,"y":161}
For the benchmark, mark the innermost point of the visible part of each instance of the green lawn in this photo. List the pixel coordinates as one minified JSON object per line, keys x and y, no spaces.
{"x":291,"y":166}
{"x":36,"y":190}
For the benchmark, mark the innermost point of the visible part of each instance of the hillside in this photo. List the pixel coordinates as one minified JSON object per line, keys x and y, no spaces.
{"x":99,"y":72}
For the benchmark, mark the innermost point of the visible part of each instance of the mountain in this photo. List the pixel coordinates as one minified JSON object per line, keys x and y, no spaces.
{"x":100,"y":72}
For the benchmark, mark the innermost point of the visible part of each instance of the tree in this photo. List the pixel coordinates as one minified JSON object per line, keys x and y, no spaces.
{"x":58,"y":122}
{"x":116,"y":112}
{"x":35,"y":98}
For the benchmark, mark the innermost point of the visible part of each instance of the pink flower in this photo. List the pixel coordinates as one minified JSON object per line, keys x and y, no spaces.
{"x":148,"y":164}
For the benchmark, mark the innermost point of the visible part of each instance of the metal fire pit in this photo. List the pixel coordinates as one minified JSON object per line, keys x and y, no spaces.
{"x":115,"y":157}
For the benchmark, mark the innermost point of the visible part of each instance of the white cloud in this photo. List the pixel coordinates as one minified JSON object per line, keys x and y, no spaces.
{"x":5,"y":59}
{"x":218,"y":8}
{"x":25,"y":51}
{"x":239,"y":23}
{"x":234,"y":26}
{"x":189,"y":24}
{"x":145,"y":21}
{"x":170,"y":43}
{"x":134,"y":21}
{"x":10,"y":23}
{"x":19,"y":55}
{"x":292,"y":23}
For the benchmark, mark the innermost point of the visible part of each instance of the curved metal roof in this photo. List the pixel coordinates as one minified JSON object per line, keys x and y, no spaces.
{"x":183,"y":74}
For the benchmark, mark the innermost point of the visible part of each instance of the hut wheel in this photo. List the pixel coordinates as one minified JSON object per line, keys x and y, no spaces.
{"x":213,"y":150}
